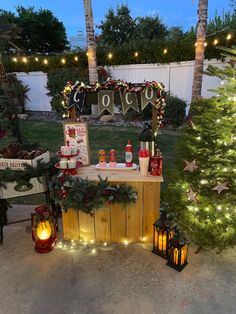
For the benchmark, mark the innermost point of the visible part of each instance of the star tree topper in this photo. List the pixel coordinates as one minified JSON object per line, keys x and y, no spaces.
{"x":190,"y":165}
{"x":220,"y":187}
{"x":192,"y":196}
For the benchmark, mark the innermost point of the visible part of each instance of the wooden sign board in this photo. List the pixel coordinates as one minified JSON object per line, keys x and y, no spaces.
{"x":76,"y":134}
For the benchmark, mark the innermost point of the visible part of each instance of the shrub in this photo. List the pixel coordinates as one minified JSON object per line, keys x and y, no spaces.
{"x":175,"y":111}
{"x":56,"y":82}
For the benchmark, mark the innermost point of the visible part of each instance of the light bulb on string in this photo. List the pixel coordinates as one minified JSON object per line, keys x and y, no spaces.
{"x":109,"y":55}
{"x":215,"y":42}
{"x":136,"y":54}
{"x":205,"y":44}
{"x":229,"y":36}
{"x":14,"y":59}
{"x":36,"y":59}
{"x":195,"y":44}
{"x":24,"y":60}
{"x":45,"y":61}
{"x":63,"y":61}
{"x":76,"y":58}
{"x":165,"y":51}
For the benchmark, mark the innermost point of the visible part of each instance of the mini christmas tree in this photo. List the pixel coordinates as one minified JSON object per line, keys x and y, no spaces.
{"x":202,"y":188}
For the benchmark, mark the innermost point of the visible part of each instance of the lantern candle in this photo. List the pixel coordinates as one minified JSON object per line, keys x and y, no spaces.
{"x":177,"y":257}
{"x":44,"y":230}
{"x":162,"y":242}
{"x":162,"y":234}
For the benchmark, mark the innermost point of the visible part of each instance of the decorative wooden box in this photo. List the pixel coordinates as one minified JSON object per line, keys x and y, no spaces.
{"x":18,"y":164}
{"x":10,"y":191}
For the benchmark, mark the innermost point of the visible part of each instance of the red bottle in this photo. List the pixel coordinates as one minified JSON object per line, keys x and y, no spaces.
{"x":129,"y":154}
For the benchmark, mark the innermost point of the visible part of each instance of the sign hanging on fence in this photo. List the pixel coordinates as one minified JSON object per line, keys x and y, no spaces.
{"x":129,"y":100}
{"x":106,"y":101}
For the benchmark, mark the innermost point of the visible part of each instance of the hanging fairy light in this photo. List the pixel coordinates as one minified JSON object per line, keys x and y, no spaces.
{"x":24,"y":60}
{"x":45,"y":61}
{"x":36,"y":59}
{"x":14,"y":59}
{"x":109,"y":55}
{"x":205,"y":44}
{"x":136,"y":54}
{"x":165,"y":51}
{"x":76,"y":58}
{"x":63,"y":61}
{"x":216,"y":41}
{"x":195,"y":44}
{"x":229,"y":36}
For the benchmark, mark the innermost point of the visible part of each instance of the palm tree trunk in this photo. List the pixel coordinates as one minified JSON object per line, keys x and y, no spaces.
{"x":92,"y":59}
{"x":200,"y":49}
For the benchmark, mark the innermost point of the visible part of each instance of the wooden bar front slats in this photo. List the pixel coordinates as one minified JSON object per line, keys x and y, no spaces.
{"x":103,"y":225}
{"x":151,"y":208}
{"x":117,"y":224}
{"x":70,"y":220}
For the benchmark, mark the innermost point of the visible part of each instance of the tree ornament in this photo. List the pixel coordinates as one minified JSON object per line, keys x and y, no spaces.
{"x":192,"y":196}
{"x":190,"y":165}
{"x":220,"y":187}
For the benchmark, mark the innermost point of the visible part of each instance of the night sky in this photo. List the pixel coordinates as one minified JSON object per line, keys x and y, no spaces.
{"x":173,"y":13}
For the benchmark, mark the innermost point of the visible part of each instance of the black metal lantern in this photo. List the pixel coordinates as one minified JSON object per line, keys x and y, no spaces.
{"x":178,"y":252}
{"x":162,"y":233}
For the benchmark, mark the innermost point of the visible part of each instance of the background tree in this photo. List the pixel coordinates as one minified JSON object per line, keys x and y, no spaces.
{"x":150,"y":28}
{"x":200,"y":48}
{"x":118,"y":27}
{"x":41,"y":31}
{"x":202,"y":190}
{"x":92,"y":57}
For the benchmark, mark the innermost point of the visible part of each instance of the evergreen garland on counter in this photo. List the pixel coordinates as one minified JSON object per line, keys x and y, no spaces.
{"x":87,"y":196}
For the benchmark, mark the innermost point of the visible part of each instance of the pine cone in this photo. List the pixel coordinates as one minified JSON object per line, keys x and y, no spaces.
{"x":23,"y":154}
{"x":14,"y":149}
{"x":36,"y":153}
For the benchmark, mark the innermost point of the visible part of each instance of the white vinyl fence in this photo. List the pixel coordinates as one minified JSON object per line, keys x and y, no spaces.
{"x":177,"y":78}
{"x":37,"y":82}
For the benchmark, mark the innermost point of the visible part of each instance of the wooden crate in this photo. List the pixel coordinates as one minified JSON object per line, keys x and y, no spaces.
{"x":18,"y":164}
{"x":10,"y":192}
{"x":115,"y":223}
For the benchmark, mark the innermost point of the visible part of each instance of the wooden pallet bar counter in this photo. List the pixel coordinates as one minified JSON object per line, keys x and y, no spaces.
{"x":115,"y":223}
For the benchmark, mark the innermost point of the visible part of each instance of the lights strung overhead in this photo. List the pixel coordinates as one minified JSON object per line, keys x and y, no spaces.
{"x":109,"y":55}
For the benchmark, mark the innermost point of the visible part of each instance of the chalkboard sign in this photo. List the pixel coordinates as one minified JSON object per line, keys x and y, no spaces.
{"x":76,"y":134}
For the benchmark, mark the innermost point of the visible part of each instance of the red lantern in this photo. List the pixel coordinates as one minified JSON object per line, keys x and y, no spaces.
{"x":43,"y":229}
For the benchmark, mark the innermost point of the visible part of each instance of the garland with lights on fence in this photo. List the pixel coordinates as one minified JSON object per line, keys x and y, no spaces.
{"x":106,"y":94}
{"x":87,"y":195}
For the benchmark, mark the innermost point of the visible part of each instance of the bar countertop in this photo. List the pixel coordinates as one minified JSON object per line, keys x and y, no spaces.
{"x":114,"y":175}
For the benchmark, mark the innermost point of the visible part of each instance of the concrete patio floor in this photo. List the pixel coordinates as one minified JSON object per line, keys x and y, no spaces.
{"x":115,"y":280}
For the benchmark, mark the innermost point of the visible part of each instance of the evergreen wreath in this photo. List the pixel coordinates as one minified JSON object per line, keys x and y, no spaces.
{"x":87,"y":195}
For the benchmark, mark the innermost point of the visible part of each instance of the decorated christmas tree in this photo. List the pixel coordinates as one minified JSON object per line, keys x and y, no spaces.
{"x":202,"y":188}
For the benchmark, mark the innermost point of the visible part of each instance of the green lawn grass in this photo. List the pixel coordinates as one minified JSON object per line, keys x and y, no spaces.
{"x":50,"y":135}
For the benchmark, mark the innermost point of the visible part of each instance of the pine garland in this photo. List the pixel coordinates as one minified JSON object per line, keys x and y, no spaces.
{"x":86,"y":195}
